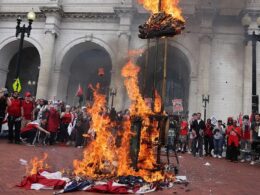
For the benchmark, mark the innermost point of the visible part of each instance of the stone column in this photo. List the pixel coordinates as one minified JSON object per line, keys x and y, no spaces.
{"x":53,"y":17}
{"x":121,"y":100}
{"x":204,"y":69}
{"x":193,"y":93}
{"x":46,"y":65}
{"x":247,"y":84}
{"x":124,"y":34}
{"x":3,"y":77}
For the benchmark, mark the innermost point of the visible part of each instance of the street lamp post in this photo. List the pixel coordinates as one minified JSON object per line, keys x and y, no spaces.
{"x":205,"y":101}
{"x":254,"y":38}
{"x":113,"y":93}
{"x":23,"y":30}
{"x":32,"y":85}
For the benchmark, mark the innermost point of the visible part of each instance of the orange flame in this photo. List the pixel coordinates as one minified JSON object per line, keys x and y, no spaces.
{"x":99,"y":156}
{"x":37,"y":164}
{"x":168,"y":6}
{"x":102,"y":159}
{"x":157,"y":102}
{"x":149,"y":131}
{"x":138,"y":107}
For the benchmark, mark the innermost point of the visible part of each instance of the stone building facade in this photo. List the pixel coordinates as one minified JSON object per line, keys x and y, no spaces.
{"x":211,"y":55}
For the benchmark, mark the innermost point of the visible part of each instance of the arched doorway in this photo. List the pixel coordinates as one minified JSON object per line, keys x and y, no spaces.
{"x":29,"y":66}
{"x":86,"y":63}
{"x":178,"y":75}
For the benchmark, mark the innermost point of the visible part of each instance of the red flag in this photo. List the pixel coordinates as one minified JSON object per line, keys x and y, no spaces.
{"x":101,"y":72}
{"x":79,"y":91}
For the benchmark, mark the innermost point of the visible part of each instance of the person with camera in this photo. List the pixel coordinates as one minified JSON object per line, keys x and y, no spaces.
{"x":14,"y":117}
{"x":3,"y":105}
{"x":255,"y":138}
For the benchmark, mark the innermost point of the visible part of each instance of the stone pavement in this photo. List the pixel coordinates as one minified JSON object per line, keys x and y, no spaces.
{"x":221,"y":178}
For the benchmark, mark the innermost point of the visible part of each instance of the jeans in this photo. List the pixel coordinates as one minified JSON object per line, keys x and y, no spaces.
{"x":208,"y":141}
{"x":14,"y":122}
{"x":233,"y":152}
{"x":197,"y":145}
{"x":29,"y":135}
{"x":245,"y":148}
{"x":1,"y":121}
{"x":218,"y":144}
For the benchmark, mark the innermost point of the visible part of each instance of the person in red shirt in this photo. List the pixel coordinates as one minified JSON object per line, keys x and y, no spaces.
{"x":66,"y":119}
{"x":208,"y":138}
{"x":28,"y":133}
{"x":228,"y":129}
{"x":53,"y":123}
{"x":14,"y":117}
{"x":234,"y":136}
{"x":27,"y":109}
{"x":183,"y":135}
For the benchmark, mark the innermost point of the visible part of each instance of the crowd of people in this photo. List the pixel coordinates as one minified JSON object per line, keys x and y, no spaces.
{"x":31,"y":121}
{"x":50,"y":122}
{"x":238,"y":138}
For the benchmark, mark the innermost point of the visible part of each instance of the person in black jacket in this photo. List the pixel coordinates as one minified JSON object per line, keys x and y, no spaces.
{"x":198,"y":126}
{"x":3,"y":105}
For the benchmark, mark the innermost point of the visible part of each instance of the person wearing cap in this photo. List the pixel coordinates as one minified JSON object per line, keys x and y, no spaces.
{"x":66,"y":119}
{"x":14,"y":117}
{"x":27,"y":109}
{"x":3,"y":105}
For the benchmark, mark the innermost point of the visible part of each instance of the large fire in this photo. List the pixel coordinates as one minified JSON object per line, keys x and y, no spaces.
{"x":99,"y":157}
{"x":102,"y":159}
{"x":168,"y":6}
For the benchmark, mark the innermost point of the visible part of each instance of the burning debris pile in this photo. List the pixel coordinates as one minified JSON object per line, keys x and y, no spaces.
{"x":166,"y":20}
{"x":161,"y":25}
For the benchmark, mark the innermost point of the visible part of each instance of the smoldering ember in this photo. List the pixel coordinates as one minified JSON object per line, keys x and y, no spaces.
{"x":108,"y":117}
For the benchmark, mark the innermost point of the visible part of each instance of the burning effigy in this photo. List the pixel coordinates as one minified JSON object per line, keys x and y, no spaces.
{"x":166,"y":19}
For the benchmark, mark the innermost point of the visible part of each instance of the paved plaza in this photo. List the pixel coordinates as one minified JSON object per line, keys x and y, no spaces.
{"x":221,"y":177}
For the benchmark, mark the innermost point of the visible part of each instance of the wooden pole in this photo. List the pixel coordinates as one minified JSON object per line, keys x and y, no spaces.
{"x":164,"y":72}
{"x":159,"y":5}
{"x":146,"y":65}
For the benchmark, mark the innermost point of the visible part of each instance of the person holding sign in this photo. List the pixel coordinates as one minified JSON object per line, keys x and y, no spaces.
{"x":255,"y":137}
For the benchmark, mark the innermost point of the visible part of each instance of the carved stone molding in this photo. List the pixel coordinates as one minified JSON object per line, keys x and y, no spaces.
{"x":52,"y":9}
{"x":125,"y":11}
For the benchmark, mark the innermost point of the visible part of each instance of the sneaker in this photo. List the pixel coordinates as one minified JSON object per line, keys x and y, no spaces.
{"x":252,"y":163}
{"x":219,"y":156}
{"x":243,"y":160}
{"x":215,"y":156}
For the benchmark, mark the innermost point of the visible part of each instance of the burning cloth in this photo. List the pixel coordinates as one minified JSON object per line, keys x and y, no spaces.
{"x":43,"y":180}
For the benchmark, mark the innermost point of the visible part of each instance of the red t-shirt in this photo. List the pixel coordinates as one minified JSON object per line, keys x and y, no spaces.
{"x":67,"y":118}
{"x":53,"y":120}
{"x":184,"y":128}
{"x":15,"y":108}
{"x":234,"y":134}
{"x":27,"y":109}
{"x":208,"y":131}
